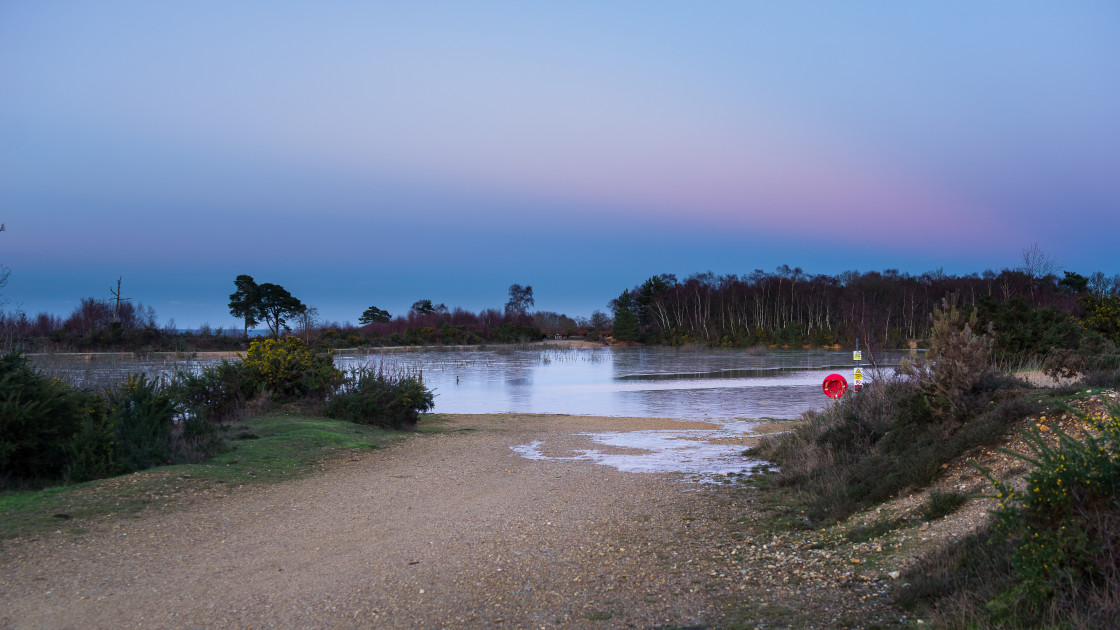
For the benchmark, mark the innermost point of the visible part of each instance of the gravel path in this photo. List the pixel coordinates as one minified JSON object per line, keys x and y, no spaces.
{"x":443,"y":530}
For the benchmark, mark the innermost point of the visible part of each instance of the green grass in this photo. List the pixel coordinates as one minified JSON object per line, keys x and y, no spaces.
{"x":265,"y":449}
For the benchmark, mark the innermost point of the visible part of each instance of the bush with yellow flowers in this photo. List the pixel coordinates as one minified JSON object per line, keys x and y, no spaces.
{"x":1065,"y":525}
{"x":287,"y":369}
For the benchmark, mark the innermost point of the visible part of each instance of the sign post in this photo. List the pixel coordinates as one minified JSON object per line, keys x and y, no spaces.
{"x":857,"y":375}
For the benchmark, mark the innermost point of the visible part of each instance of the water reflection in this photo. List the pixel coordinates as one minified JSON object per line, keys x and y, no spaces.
{"x":729,"y":387}
{"x":640,"y":382}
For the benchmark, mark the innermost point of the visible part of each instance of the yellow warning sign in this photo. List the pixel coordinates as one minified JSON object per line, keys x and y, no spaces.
{"x":858,"y":375}
{"x":857,"y":356}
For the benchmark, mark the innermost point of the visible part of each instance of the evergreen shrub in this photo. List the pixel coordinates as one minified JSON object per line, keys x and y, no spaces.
{"x":958,"y":359}
{"x":142,"y":416}
{"x":38,"y":418}
{"x":130,"y":429}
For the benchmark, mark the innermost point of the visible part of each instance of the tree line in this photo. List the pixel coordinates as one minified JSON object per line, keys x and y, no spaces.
{"x":887,"y":308}
{"x":102,"y":324}
{"x":1030,"y":305}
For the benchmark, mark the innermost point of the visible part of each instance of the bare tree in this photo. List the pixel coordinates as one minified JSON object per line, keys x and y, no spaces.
{"x":308,"y":320}
{"x":117,"y":296}
{"x":1037,"y":265}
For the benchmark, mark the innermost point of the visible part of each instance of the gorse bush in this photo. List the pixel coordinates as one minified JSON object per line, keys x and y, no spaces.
{"x":371,"y":396}
{"x":1024,"y":330}
{"x":287,"y":369}
{"x":38,"y":417}
{"x":1102,"y":315}
{"x":93,"y":449}
{"x":51,"y":431}
{"x":216,"y":394}
{"x":1065,"y":526}
{"x":142,"y":416}
{"x":132,"y":429}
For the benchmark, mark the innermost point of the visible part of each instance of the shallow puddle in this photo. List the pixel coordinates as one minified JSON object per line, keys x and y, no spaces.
{"x":707,"y":455}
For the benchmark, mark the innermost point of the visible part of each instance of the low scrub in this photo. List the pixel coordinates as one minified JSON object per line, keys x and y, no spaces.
{"x":135,"y":432}
{"x":870,"y":446}
{"x":1049,"y":559}
{"x":941,"y":504}
{"x":216,"y":394}
{"x":51,"y":431}
{"x":1064,"y":527}
{"x":370,"y":396}
{"x":958,"y":580}
{"x":895,"y":435}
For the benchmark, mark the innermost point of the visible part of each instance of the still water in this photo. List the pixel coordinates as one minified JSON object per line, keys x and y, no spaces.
{"x":732,"y":390}
{"x":636,"y":382}
{"x":647,"y":382}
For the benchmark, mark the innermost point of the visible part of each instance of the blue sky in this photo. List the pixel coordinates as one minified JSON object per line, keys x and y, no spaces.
{"x":379,"y":153}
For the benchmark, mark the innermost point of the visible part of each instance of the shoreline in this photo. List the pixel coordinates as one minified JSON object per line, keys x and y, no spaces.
{"x":176,"y":354}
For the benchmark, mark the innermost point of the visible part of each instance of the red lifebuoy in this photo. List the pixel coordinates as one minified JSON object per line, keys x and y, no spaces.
{"x":835,"y":385}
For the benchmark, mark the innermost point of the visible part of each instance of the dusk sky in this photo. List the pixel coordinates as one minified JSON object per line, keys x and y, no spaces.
{"x":377,"y":153}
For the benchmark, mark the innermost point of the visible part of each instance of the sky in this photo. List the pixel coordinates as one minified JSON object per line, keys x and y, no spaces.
{"x":378,"y":153}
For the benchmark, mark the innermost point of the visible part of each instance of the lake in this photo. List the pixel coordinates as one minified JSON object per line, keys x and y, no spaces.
{"x":655,"y":382}
{"x":732,"y":389}
{"x":649,"y":382}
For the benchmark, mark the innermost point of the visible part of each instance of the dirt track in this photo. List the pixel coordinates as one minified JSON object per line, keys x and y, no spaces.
{"x":445,"y":530}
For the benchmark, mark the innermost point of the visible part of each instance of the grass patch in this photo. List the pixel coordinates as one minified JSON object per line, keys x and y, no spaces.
{"x":263,"y":449}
